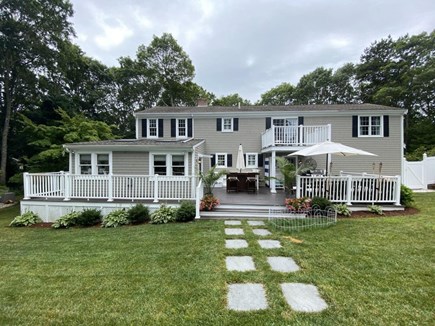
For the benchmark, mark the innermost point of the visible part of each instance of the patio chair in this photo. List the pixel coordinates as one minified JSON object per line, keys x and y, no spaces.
{"x":251,"y":184}
{"x":232,"y":183}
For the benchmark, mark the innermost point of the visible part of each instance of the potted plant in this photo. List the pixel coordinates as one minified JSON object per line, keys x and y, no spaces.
{"x":289,"y":172}
{"x":210,"y":178}
{"x":208,"y":202}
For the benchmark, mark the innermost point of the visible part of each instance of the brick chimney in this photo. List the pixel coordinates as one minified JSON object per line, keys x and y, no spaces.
{"x":202,"y":102}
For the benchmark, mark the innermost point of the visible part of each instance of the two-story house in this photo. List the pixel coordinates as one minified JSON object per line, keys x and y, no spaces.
{"x":177,"y":142}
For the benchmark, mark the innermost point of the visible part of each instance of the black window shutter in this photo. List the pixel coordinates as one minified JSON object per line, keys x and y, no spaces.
{"x":268,"y":123}
{"x":354,"y":126}
{"x":229,"y":160}
{"x":213,"y":160}
{"x":144,"y":128}
{"x":260,"y":160}
{"x":218,"y":124}
{"x":236,"y":124}
{"x":300,"y":121}
{"x":160,"y":127}
{"x":189,"y":128}
{"x":173,"y":128}
{"x":386,"y":126}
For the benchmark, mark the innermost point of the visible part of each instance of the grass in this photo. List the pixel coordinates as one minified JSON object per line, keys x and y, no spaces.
{"x":373,"y":271}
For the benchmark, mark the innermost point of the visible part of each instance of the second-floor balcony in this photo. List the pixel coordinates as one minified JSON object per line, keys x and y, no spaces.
{"x":295,"y":136}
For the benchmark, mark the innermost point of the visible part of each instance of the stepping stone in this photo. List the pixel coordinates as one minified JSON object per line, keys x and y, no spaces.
{"x":246,"y":297}
{"x":240,"y":263}
{"x":269,"y":244}
{"x":233,"y":222}
{"x":234,"y":231}
{"x":236,"y":244}
{"x":255,"y":223}
{"x":262,"y":232}
{"x":303,"y":297}
{"x":282,"y":264}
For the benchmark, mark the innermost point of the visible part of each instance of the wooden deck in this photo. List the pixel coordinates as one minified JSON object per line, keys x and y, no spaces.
{"x":261,"y":197}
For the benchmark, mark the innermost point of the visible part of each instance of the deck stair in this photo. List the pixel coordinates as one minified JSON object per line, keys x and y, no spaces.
{"x":239,"y":211}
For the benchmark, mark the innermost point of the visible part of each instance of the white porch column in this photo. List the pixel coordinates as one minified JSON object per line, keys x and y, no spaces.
{"x":156,"y":188}
{"x":273,"y":172}
{"x":301,"y":135}
{"x":110,"y":190}
{"x":398,"y":184}
{"x":349,"y":190}
{"x":329,"y":132}
{"x":298,"y":186}
{"x":26,"y":179}
{"x":67,"y":184}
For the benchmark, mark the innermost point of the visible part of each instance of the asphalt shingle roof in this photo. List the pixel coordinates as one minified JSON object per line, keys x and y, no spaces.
{"x":265,"y":108}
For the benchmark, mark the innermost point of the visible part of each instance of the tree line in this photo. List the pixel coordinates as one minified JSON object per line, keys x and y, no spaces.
{"x":51,"y":93}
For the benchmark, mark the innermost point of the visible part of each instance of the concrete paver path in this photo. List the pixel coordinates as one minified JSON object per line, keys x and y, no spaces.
{"x":246,"y":297}
{"x":229,"y":231}
{"x":303,"y":297}
{"x":236,"y":244}
{"x":240,"y":263}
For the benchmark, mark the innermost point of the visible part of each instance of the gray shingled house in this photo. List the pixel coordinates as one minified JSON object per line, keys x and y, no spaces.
{"x":173,"y":143}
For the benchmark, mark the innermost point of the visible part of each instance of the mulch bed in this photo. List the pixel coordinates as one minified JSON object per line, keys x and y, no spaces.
{"x":407,"y":212}
{"x":42,"y":225}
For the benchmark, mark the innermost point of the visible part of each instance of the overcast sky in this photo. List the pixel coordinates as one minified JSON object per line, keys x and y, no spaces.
{"x":248,"y":46}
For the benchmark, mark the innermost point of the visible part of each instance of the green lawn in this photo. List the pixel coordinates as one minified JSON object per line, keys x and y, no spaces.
{"x":373,"y":271}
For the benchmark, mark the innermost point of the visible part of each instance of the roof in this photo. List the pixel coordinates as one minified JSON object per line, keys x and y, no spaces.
{"x":267,"y":108}
{"x":137,"y":143}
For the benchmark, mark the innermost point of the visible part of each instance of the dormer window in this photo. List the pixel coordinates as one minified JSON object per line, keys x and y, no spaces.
{"x":153,"y":128}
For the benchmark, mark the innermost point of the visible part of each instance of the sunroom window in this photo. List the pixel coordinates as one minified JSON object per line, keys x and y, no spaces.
{"x":94,"y":163}
{"x":160,"y":164}
{"x":85,"y":164}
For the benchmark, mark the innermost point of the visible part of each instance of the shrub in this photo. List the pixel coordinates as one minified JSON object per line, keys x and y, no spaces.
{"x":163,"y":215}
{"x":66,"y":220}
{"x":342,"y":209}
{"x":186,"y":212}
{"x":115,"y":219}
{"x":375,"y":209}
{"x":89,"y":217}
{"x":208,"y":203}
{"x":298,"y":204}
{"x":321,"y":203}
{"x":138,"y":214}
{"x":27,"y":219}
{"x":406,"y":196}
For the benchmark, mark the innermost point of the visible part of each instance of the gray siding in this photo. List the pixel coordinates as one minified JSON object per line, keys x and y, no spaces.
{"x":131,"y":163}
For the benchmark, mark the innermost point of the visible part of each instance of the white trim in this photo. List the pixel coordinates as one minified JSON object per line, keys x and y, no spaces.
{"x":148,"y":128}
{"x":254,"y":166}
{"x":226,"y":160}
{"x":168,"y":158}
{"x":177,"y":135}
{"x":381,"y":129}
{"x":284,"y":118}
{"x":137,"y":129}
{"x":223,"y":124}
{"x":94,"y":161}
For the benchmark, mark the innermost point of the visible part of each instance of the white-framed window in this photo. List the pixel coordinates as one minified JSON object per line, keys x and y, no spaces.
{"x":153,"y":128}
{"x":178,"y":165}
{"x":159,"y":164}
{"x":168,"y":164}
{"x":94,"y":163}
{"x":252,"y":160}
{"x":221,"y":160}
{"x":85,"y":163}
{"x":370,"y":126}
{"x":181,"y":128}
{"x":227,"y":124}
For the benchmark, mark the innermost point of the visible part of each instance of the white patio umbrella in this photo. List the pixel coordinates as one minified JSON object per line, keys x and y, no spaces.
{"x":329,"y":147}
{"x":240,"y":163}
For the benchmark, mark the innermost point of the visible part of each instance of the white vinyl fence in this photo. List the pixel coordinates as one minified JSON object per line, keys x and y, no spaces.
{"x":351,"y":189}
{"x":73,"y":186}
{"x":417,"y":175}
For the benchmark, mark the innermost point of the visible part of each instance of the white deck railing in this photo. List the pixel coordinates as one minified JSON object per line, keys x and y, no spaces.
{"x":351,"y":189}
{"x":73,"y":186}
{"x":295,"y":135}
